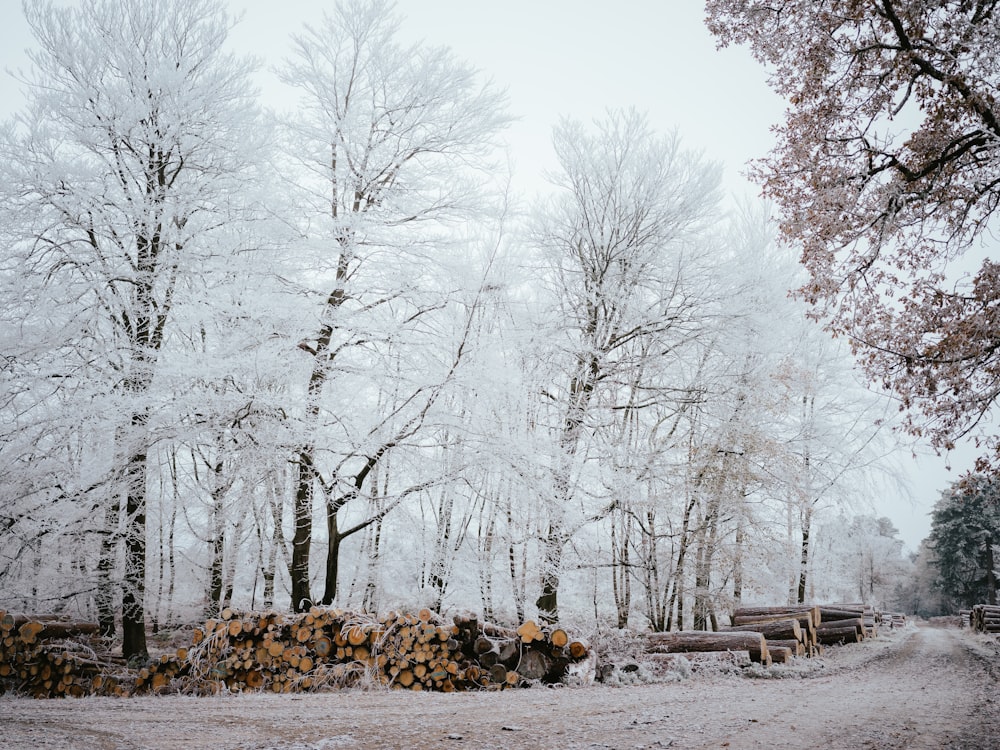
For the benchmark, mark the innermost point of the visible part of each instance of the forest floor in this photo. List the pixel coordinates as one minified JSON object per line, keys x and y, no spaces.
{"x":921,"y":688}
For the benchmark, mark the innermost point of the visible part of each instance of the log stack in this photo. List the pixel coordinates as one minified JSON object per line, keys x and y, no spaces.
{"x":283,"y":653}
{"x":776,"y":624}
{"x":52,"y":655}
{"x":805,"y":629}
{"x":985,"y":618}
{"x":840,"y":617}
{"x":897,"y":620}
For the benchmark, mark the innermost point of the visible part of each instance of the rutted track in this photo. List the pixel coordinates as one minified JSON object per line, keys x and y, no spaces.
{"x":926,"y":688}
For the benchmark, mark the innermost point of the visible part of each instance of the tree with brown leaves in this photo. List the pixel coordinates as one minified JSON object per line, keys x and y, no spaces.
{"x":887,"y":172}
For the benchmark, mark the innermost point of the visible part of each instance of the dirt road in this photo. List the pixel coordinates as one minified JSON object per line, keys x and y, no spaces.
{"x":923,"y":689}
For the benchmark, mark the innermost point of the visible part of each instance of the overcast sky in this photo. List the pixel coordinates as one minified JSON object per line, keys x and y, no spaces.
{"x":577,"y":58}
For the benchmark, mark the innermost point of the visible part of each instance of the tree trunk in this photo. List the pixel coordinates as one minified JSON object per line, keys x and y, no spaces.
{"x":991,"y":577}
{"x":214,"y":605}
{"x":621,"y":575}
{"x":134,"y":578}
{"x":678,"y":577}
{"x":738,"y":568}
{"x":277,"y":543}
{"x":302,"y":537}
{"x":104,"y":594}
{"x":517,"y":581}
{"x":548,"y":601}
{"x":804,"y":557}
{"x":305,"y":467}
{"x":332,"y":556}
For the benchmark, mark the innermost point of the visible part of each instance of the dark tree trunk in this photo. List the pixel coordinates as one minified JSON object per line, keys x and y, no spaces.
{"x":804,"y":559}
{"x":302,"y":536}
{"x":218,"y":545}
{"x":332,"y":557}
{"x":676,"y":596}
{"x":104,"y":596}
{"x":548,"y":602}
{"x":991,"y":578}
{"x":134,"y":579}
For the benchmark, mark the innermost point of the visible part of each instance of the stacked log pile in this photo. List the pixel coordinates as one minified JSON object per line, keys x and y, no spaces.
{"x":985,"y":618}
{"x":51,"y":655}
{"x":793,"y":627}
{"x":896,"y":620}
{"x":283,"y":653}
{"x":772,"y":635}
{"x":839,"y":619}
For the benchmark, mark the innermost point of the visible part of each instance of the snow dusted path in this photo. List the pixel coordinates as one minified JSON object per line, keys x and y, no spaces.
{"x":923,"y":689}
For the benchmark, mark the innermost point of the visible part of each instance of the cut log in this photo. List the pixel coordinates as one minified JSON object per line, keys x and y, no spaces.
{"x":530,"y":632}
{"x":533,"y":665}
{"x":831,"y":614}
{"x":776,"y":629}
{"x":778,"y":610}
{"x":831,"y":636}
{"x":804,"y":618}
{"x":857,"y":623}
{"x":797,"y":648}
{"x":780,"y":654}
{"x":696,"y":640}
{"x":559,"y":638}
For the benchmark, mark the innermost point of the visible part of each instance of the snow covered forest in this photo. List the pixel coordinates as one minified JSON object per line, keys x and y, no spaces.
{"x":328,"y":355}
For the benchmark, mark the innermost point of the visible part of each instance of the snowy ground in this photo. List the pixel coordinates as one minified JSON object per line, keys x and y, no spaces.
{"x":923,"y":688}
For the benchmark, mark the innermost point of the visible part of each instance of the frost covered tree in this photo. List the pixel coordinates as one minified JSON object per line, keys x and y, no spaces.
{"x":887,"y":171}
{"x":617,"y":241}
{"x":121,"y":184}
{"x":384,"y":148}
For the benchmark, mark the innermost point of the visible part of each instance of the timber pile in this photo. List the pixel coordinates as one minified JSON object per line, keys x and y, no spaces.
{"x":283,"y":653}
{"x":48,"y":656}
{"x":328,"y":648}
{"x":793,"y":626}
{"x":985,"y":618}
{"x":863,"y":617}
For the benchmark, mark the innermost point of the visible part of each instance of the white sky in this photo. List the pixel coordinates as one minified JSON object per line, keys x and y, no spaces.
{"x":577,"y":58}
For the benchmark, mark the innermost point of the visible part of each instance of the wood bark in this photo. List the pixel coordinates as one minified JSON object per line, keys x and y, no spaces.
{"x":778,"y":629}
{"x":832,"y":636}
{"x":857,"y":623}
{"x":697,"y":640}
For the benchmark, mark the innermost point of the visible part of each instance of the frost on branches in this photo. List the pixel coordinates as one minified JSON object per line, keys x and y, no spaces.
{"x":887,"y":171}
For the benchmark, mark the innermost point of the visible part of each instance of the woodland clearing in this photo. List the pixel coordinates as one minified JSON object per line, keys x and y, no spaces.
{"x":922,"y":687}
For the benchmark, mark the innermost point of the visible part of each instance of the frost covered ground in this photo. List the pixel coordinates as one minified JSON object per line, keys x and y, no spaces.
{"x":922,"y":688}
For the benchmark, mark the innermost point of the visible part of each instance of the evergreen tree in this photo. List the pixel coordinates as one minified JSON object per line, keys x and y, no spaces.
{"x":965,"y":531}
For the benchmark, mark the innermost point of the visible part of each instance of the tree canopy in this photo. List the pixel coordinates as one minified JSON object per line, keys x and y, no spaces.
{"x":887,"y":172}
